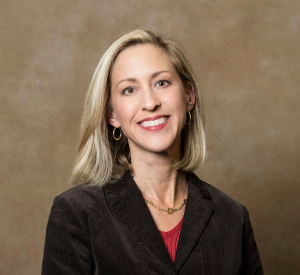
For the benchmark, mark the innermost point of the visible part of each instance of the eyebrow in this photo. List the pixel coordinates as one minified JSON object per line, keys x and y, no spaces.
{"x":152,"y":76}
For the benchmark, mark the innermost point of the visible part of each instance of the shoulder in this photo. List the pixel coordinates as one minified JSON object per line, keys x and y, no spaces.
{"x":87,"y":198}
{"x":79,"y":198}
{"x":219,"y":198}
{"x":221,"y":202}
{"x":227,"y":209}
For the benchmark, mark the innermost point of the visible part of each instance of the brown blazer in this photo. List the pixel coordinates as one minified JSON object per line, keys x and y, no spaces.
{"x":111,"y":231}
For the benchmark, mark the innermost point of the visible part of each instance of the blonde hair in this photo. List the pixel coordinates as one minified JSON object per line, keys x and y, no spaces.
{"x":100,"y":158}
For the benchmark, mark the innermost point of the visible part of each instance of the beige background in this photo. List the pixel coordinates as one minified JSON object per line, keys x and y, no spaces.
{"x":246,"y":56}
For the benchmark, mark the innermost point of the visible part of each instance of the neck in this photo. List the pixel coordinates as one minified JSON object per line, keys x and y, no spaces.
{"x":157,"y":180}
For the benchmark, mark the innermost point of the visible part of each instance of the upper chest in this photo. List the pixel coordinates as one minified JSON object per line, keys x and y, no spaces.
{"x":164,"y":221}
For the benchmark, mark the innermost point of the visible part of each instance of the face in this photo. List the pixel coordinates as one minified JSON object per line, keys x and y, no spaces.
{"x":145,"y":85}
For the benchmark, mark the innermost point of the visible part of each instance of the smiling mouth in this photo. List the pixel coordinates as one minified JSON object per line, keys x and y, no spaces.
{"x":153,"y":123}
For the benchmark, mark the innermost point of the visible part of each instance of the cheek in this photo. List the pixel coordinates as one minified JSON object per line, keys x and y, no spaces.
{"x":124,"y":111}
{"x":177,"y":102}
{"x":178,"y":105}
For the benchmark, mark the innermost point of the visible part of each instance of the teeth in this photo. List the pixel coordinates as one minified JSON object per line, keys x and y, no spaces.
{"x":154,"y":122}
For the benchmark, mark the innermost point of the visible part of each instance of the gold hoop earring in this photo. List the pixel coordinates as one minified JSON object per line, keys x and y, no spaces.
{"x":120,"y":134}
{"x":190,"y":119}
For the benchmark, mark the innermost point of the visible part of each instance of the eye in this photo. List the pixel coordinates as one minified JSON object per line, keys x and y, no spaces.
{"x":128,"y":90}
{"x":162,"y":83}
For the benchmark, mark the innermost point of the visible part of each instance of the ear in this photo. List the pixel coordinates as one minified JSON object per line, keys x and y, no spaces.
{"x":190,"y":95}
{"x":112,"y":119}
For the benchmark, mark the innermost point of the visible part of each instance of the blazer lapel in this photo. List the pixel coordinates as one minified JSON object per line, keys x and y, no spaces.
{"x":197,"y":214}
{"x":127,"y":201}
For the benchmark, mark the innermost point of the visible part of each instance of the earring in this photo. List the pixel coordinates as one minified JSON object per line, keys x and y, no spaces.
{"x":120,"y":134}
{"x":190,"y":119}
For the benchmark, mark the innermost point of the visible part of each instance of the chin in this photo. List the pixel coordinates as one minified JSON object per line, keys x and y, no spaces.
{"x":154,"y":145}
{"x":158,"y":148}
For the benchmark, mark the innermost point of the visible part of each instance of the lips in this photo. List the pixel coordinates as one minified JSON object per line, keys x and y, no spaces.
{"x":155,"y":128}
{"x":152,"y":118}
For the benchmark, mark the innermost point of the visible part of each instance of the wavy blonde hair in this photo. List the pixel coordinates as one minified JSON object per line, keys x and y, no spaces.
{"x":100,"y":158}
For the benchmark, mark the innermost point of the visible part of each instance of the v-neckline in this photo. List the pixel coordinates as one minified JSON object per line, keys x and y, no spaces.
{"x":125,"y":194}
{"x":168,"y":234}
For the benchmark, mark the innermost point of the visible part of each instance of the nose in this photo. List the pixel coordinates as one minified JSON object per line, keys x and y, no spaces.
{"x":150,"y":100}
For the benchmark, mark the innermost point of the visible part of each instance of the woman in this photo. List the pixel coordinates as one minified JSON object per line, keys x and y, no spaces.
{"x":138,"y":207}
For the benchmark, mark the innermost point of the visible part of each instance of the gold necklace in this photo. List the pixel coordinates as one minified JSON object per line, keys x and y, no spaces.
{"x":170,"y":210}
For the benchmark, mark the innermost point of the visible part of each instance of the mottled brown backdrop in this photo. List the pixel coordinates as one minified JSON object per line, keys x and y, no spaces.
{"x":246,"y":56}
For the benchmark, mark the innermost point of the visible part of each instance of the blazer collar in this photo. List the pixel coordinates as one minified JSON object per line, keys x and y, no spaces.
{"x":127,"y":201}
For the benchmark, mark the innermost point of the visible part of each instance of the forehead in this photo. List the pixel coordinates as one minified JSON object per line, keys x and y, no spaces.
{"x":139,"y":60}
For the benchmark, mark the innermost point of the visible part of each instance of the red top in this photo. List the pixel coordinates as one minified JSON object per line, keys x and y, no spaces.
{"x":171,"y":239}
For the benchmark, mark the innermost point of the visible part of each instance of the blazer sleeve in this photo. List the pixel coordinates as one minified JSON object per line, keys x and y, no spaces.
{"x":251,"y":263}
{"x":67,"y":245}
